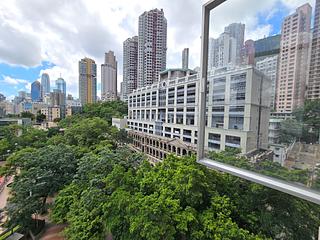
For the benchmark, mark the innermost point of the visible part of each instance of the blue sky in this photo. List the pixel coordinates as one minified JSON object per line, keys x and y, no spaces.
{"x":33,"y":43}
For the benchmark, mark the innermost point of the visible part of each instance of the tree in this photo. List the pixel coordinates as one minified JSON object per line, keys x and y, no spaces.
{"x":290,"y":130}
{"x":87,"y":132}
{"x":173,"y":200}
{"x":4,"y":148}
{"x":27,"y":115}
{"x":40,"y":117}
{"x":42,"y":173}
{"x":106,"y":110}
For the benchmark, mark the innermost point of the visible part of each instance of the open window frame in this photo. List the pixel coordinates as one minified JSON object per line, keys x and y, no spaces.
{"x":274,"y":183}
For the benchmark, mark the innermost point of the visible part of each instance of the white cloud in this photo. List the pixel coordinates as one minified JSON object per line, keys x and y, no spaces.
{"x":64,"y":31}
{"x":13,"y":81}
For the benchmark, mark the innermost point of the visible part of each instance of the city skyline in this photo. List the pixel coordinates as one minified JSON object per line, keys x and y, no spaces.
{"x":17,"y":74}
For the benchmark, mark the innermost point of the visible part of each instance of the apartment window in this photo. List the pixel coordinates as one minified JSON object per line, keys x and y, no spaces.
{"x":233,"y":141}
{"x":217,"y":121}
{"x":190,"y":119}
{"x":170,"y":115}
{"x":236,"y":122}
{"x":179,"y":118}
{"x":219,"y":109}
{"x":147,"y":115}
{"x":187,"y":132}
{"x":153,"y":115}
{"x":176,"y":130}
{"x":236,"y":109}
{"x":214,"y":141}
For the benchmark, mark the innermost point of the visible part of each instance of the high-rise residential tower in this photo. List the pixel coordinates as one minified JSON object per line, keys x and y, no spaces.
{"x":152,"y":52}
{"x":130,"y":66}
{"x":222,"y":51}
{"x":185,"y":58}
{"x":236,"y":31}
{"x":36,"y":91}
{"x":87,"y":81}
{"x":269,"y":66}
{"x":109,"y":77}
{"x":45,"y":84}
{"x":314,"y":73}
{"x":293,"y":59}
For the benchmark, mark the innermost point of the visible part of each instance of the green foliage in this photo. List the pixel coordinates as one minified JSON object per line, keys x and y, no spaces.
{"x":265,"y":167}
{"x":40,"y":117}
{"x":106,"y":110}
{"x":86,"y":132}
{"x":4,"y":147}
{"x":173,"y":200}
{"x":290,"y":130}
{"x":305,"y":127}
{"x":27,"y":115}
{"x":42,"y":173}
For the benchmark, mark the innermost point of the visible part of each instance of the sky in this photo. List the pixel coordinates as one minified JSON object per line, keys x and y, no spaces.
{"x":38,"y":36}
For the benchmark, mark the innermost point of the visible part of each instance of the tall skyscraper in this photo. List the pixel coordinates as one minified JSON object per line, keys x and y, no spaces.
{"x":45,"y":84}
{"x":236,"y":31}
{"x":269,"y":66}
{"x":185,"y":58}
{"x":222,"y":51}
{"x":130,"y":66}
{"x":61,"y":85}
{"x":152,"y":52}
{"x":87,"y":81}
{"x":293,"y":60}
{"x":109,"y":77}
{"x":36,"y":91}
{"x":314,"y":75}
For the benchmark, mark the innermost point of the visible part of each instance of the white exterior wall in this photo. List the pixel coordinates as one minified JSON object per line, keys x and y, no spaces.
{"x":253,"y":133}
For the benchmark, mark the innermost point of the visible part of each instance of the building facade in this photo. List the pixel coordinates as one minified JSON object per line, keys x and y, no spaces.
{"x":152,"y":46}
{"x":87,"y":81}
{"x":57,"y":98}
{"x":267,"y":47}
{"x":45,"y":84}
{"x":313,"y":91}
{"x":248,"y":53}
{"x":236,"y":31}
{"x":61,"y":86}
{"x":36,"y":91}
{"x":109,"y":77}
{"x":222,"y":51}
{"x":185,"y":58}
{"x":52,"y":113}
{"x":269,"y":66}
{"x":130,"y":66}
{"x":237,"y":112}
{"x":293,"y":59}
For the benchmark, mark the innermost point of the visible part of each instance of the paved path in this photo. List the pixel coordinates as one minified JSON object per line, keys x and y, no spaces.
{"x":53,"y":232}
{"x":5,"y":194}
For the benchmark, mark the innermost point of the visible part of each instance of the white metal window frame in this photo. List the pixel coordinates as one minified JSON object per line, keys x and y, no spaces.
{"x":274,"y":183}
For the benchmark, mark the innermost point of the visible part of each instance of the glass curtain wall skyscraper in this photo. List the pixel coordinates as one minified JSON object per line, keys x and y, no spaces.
{"x":36,"y":91}
{"x":45,"y":84}
{"x":61,"y":85}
